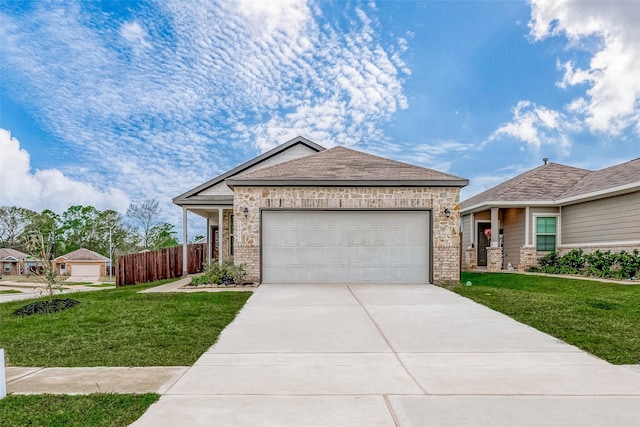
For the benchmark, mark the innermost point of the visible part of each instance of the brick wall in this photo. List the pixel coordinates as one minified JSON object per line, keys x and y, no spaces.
{"x":446,"y":239}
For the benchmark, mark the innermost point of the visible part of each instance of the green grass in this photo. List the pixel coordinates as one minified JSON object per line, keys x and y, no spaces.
{"x":600,"y":318}
{"x":76,"y":283}
{"x":9,"y":291}
{"x":94,"y":410}
{"x":119,"y":327}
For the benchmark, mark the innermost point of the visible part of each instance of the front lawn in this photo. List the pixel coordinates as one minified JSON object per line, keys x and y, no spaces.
{"x":119,"y":327}
{"x":600,"y":318}
{"x":94,"y":410}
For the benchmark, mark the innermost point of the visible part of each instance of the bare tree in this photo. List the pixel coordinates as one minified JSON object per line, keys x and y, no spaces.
{"x":145,"y":217}
{"x":39,"y":243}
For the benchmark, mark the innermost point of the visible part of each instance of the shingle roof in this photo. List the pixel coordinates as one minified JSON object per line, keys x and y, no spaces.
{"x":614,"y":176}
{"x":83,"y":254}
{"x":544,"y":183}
{"x":554,"y":182}
{"x":344,"y":165}
{"x":13,"y":253}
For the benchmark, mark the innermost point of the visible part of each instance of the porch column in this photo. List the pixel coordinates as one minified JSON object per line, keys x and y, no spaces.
{"x":526,"y":226}
{"x":495,"y":227}
{"x":184,"y":242}
{"x":209,"y":248}
{"x":220,"y":234}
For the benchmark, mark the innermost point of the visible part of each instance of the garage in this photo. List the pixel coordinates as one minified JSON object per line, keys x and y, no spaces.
{"x":85,"y":270}
{"x":346,"y":246}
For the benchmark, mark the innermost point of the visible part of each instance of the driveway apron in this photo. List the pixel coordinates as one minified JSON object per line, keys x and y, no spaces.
{"x":391,"y":355}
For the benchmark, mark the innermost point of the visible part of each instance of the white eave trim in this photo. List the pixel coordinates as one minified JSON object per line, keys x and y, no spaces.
{"x":607,"y":192}
{"x":503,"y":204}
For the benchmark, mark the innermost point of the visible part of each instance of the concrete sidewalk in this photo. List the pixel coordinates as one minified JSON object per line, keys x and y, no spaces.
{"x":155,"y":379}
{"x":386,"y":355}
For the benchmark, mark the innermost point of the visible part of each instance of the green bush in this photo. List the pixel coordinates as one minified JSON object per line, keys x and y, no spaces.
{"x":600,"y":264}
{"x":225,"y":274}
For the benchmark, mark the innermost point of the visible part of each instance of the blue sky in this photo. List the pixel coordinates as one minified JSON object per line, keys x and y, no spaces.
{"x":107,"y":103}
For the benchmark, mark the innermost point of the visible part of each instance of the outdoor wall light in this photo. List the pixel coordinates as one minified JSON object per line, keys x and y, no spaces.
{"x":245,"y":211}
{"x":447,"y":212}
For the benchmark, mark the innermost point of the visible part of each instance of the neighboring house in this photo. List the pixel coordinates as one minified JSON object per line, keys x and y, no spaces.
{"x":552,"y":207}
{"x":81,"y":263}
{"x":300,"y":213}
{"x":13,"y":262}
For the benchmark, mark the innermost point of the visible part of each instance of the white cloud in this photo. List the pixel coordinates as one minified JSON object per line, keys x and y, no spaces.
{"x":535,"y":125}
{"x":49,"y":188}
{"x":612,"y":101}
{"x":135,"y":35}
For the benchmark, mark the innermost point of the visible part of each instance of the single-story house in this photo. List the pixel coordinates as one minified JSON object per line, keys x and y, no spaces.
{"x":81,"y":263}
{"x":301,"y":213}
{"x":16,"y":263}
{"x":552,"y":207}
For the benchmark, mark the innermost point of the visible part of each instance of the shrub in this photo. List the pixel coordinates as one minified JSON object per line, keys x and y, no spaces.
{"x":629,"y":264}
{"x":225,"y":274}
{"x":599,"y":264}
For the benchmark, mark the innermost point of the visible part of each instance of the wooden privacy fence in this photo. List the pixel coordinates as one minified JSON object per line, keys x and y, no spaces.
{"x":157,"y":265}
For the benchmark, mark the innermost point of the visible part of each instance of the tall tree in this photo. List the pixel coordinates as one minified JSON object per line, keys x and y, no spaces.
{"x":13,"y":222}
{"x":163,"y":236}
{"x":144,"y":217}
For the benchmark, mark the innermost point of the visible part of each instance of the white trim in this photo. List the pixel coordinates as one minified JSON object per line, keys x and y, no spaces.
{"x":608,"y":192}
{"x":505,"y":204}
{"x":220,"y":233}
{"x":587,"y":245}
{"x":472,"y":238}
{"x":527,"y":212}
{"x":534,"y":235}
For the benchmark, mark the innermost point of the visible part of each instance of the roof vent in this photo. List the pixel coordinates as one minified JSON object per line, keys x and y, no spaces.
{"x":545,"y":160}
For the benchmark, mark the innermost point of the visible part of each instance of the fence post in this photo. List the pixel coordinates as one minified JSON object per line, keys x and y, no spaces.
{"x":3,"y":377}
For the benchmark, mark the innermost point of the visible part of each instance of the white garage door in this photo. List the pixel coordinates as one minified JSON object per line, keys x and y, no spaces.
{"x":345,"y":246}
{"x":85,"y":270}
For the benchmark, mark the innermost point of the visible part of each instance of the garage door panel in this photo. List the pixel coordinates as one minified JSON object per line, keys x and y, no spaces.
{"x":345,"y":246}
{"x":85,"y":270}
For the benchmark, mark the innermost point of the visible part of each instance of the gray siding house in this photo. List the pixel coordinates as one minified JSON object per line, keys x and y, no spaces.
{"x":552,"y":207}
{"x":301,"y":213}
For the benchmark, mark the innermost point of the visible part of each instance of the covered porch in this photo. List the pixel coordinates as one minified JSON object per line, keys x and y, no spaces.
{"x":219,"y":231}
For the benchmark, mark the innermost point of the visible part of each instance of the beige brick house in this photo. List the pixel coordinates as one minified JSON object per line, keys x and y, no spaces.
{"x":552,"y":207}
{"x":303,"y":214}
{"x":81,"y":263}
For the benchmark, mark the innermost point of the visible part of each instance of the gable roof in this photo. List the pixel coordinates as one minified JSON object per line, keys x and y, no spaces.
{"x":606,"y":179}
{"x":83,"y":254}
{"x":344,"y":166}
{"x":8,"y":254}
{"x":191,"y":196}
{"x":556,"y":184}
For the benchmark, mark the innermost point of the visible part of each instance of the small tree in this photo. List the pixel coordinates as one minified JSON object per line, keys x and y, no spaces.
{"x":40,"y":245}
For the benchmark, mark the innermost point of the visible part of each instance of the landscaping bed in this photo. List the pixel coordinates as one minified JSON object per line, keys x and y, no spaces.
{"x":598,"y":317}
{"x":120,"y":327}
{"x":94,"y":410}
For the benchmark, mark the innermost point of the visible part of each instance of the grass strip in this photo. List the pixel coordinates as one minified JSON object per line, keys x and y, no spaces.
{"x":600,"y":318}
{"x":94,"y":410}
{"x":119,"y":327}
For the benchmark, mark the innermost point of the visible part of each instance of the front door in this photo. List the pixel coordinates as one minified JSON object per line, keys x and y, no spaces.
{"x":483,"y":243}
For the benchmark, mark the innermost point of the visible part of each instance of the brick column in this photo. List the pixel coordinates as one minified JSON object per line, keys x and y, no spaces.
{"x":494,"y":259}
{"x":470,"y":262}
{"x":528,"y":258}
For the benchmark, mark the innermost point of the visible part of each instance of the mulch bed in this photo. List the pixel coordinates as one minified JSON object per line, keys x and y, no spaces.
{"x":46,"y":306}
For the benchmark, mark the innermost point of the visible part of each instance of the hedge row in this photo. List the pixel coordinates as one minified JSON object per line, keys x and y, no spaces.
{"x":623,"y":265}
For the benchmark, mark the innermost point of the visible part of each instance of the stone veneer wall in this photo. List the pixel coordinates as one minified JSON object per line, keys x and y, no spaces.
{"x":470,"y":262}
{"x":494,"y":259}
{"x":446,"y":239}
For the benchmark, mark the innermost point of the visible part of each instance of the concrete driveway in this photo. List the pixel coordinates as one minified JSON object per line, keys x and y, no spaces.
{"x":388,"y":355}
